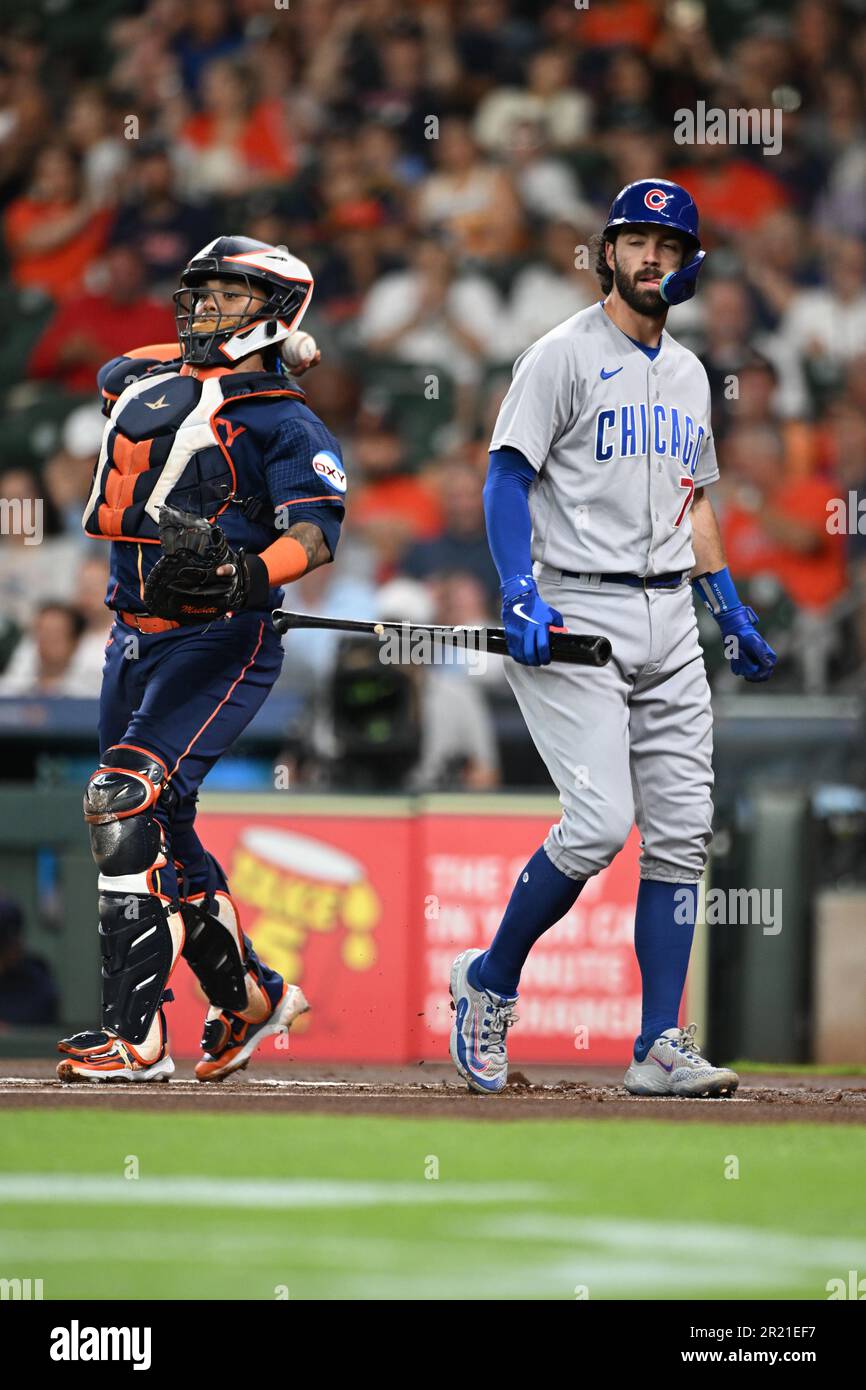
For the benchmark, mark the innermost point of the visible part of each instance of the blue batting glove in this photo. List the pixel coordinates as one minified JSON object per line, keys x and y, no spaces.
{"x":527,"y":620}
{"x":750,"y":656}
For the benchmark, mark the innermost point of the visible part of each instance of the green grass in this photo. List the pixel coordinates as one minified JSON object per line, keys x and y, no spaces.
{"x":628,"y":1209}
{"x":801,"y":1068}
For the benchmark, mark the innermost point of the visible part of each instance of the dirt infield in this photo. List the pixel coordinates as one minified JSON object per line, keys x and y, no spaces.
{"x":416,"y":1092}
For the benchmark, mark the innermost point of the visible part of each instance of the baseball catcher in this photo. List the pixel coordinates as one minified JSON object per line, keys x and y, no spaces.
{"x":215,"y":486}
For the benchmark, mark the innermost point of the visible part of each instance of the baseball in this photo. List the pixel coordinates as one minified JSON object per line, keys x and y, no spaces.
{"x":298,"y":349}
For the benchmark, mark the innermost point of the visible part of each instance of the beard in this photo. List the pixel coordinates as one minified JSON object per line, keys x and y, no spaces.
{"x":643,"y":301}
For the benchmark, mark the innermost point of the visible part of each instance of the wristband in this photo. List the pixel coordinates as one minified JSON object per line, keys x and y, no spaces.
{"x":285,"y":560}
{"x":717,"y":592}
{"x":518,"y":584}
{"x":259,"y":583}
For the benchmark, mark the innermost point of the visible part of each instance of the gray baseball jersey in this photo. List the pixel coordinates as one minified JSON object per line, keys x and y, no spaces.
{"x":619,"y":443}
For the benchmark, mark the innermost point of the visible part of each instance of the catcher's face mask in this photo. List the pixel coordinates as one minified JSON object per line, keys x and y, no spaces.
{"x":239,"y":297}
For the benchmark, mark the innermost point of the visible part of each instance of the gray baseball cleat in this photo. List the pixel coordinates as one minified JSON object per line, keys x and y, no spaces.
{"x":674,"y":1067}
{"x":479,"y":1030}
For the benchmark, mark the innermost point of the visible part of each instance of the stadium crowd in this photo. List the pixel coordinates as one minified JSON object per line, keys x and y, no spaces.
{"x":443,"y":167}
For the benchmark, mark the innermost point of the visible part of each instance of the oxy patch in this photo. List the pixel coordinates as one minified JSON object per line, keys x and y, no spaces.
{"x":329,"y":469}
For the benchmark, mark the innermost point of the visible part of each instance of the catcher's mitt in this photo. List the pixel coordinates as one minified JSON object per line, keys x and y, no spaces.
{"x":184,"y":584}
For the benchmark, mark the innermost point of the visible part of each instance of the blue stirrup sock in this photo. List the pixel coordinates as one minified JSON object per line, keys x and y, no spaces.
{"x":664,"y":927}
{"x":541,"y":896}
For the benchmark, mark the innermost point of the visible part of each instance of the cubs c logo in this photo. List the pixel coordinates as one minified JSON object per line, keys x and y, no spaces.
{"x":656,"y":199}
{"x":327,"y":465}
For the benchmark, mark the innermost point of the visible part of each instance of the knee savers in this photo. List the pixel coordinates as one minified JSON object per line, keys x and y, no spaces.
{"x":125,"y":836}
{"x":139,"y":935}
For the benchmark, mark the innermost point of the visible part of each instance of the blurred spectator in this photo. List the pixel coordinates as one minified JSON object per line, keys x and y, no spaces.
{"x":491,"y":42}
{"x":635,"y":22}
{"x":91,"y":128}
{"x":68,"y":474}
{"x":432,"y":315}
{"x":548,"y":289}
{"x":830,"y":322}
{"x":353,"y":261}
{"x":346,"y":590}
{"x":209,"y":32}
{"x":164,"y":230}
{"x":549,"y":102}
{"x":24,"y":125}
{"x":91,"y":328}
{"x":778,"y":263}
{"x":462,"y":544}
{"x":468,"y":200}
{"x":391,"y":508}
{"x":546,"y":185}
{"x":42,"y":662}
{"x":389,"y":66}
{"x":629,"y":94}
{"x":730,"y":341}
{"x":235,"y":143}
{"x":777,"y":529}
{"x":774,"y":526}
{"x":459,"y":599}
{"x":734,"y":194}
{"x":34,"y":567}
{"x":838,"y":135}
{"x":28,"y":991}
{"x":84,"y":677}
{"x":54,"y":230}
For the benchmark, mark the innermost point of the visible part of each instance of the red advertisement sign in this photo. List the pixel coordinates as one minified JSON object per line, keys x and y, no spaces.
{"x":324,"y":899}
{"x":580,"y":989}
{"x":366,"y":911}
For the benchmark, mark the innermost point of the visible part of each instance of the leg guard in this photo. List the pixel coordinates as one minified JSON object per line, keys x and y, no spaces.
{"x":140,"y":934}
{"x":222,"y":957}
{"x":213,"y":953}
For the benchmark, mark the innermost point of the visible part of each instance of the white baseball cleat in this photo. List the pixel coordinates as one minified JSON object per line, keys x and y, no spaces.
{"x":101,"y":1055}
{"x":480,"y":1028}
{"x":229,"y":1040}
{"x":674,"y":1067}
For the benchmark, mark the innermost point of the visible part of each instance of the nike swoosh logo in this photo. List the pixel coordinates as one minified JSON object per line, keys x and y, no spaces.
{"x":518,"y":609}
{"x":663,"y":1065}
{"x":606,"y":375}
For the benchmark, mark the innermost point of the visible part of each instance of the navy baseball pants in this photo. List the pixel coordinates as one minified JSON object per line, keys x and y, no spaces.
{"x":184,"y":696}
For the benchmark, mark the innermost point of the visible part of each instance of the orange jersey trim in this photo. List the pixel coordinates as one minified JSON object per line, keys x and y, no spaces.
{"x":160,"y":352}
{"x":293,"y":501}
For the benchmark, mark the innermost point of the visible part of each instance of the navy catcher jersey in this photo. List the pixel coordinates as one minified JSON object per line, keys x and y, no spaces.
{"x":240,"y":448}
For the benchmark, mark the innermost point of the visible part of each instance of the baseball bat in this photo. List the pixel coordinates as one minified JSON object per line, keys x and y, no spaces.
{"x":575,"y":648}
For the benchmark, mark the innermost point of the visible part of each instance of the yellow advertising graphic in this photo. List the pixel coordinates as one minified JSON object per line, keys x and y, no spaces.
{"x":300,"y":886}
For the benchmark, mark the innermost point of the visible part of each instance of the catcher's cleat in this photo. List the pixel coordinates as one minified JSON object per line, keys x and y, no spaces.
{"x":103,"y":1056}
{"x":229,"y":1039}
{"x":674,"y":1067}
{"x":480,"y":1029}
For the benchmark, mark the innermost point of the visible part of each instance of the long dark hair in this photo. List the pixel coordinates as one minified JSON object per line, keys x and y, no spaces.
{"x":602,"y":269}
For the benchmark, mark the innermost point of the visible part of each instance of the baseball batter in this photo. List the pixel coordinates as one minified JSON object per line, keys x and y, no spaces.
{"x":598,"y":517}
{"x":215,"y":485}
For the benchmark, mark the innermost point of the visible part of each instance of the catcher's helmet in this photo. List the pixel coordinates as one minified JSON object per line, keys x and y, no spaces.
{"x":667,"y":204}
{"x":270,"y":271}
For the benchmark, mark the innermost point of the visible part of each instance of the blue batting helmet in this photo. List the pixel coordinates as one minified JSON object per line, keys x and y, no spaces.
{"x":656,"y":200}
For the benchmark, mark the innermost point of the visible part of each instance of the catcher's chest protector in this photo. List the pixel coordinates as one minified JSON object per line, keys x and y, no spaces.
{"x":177,"y":439}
